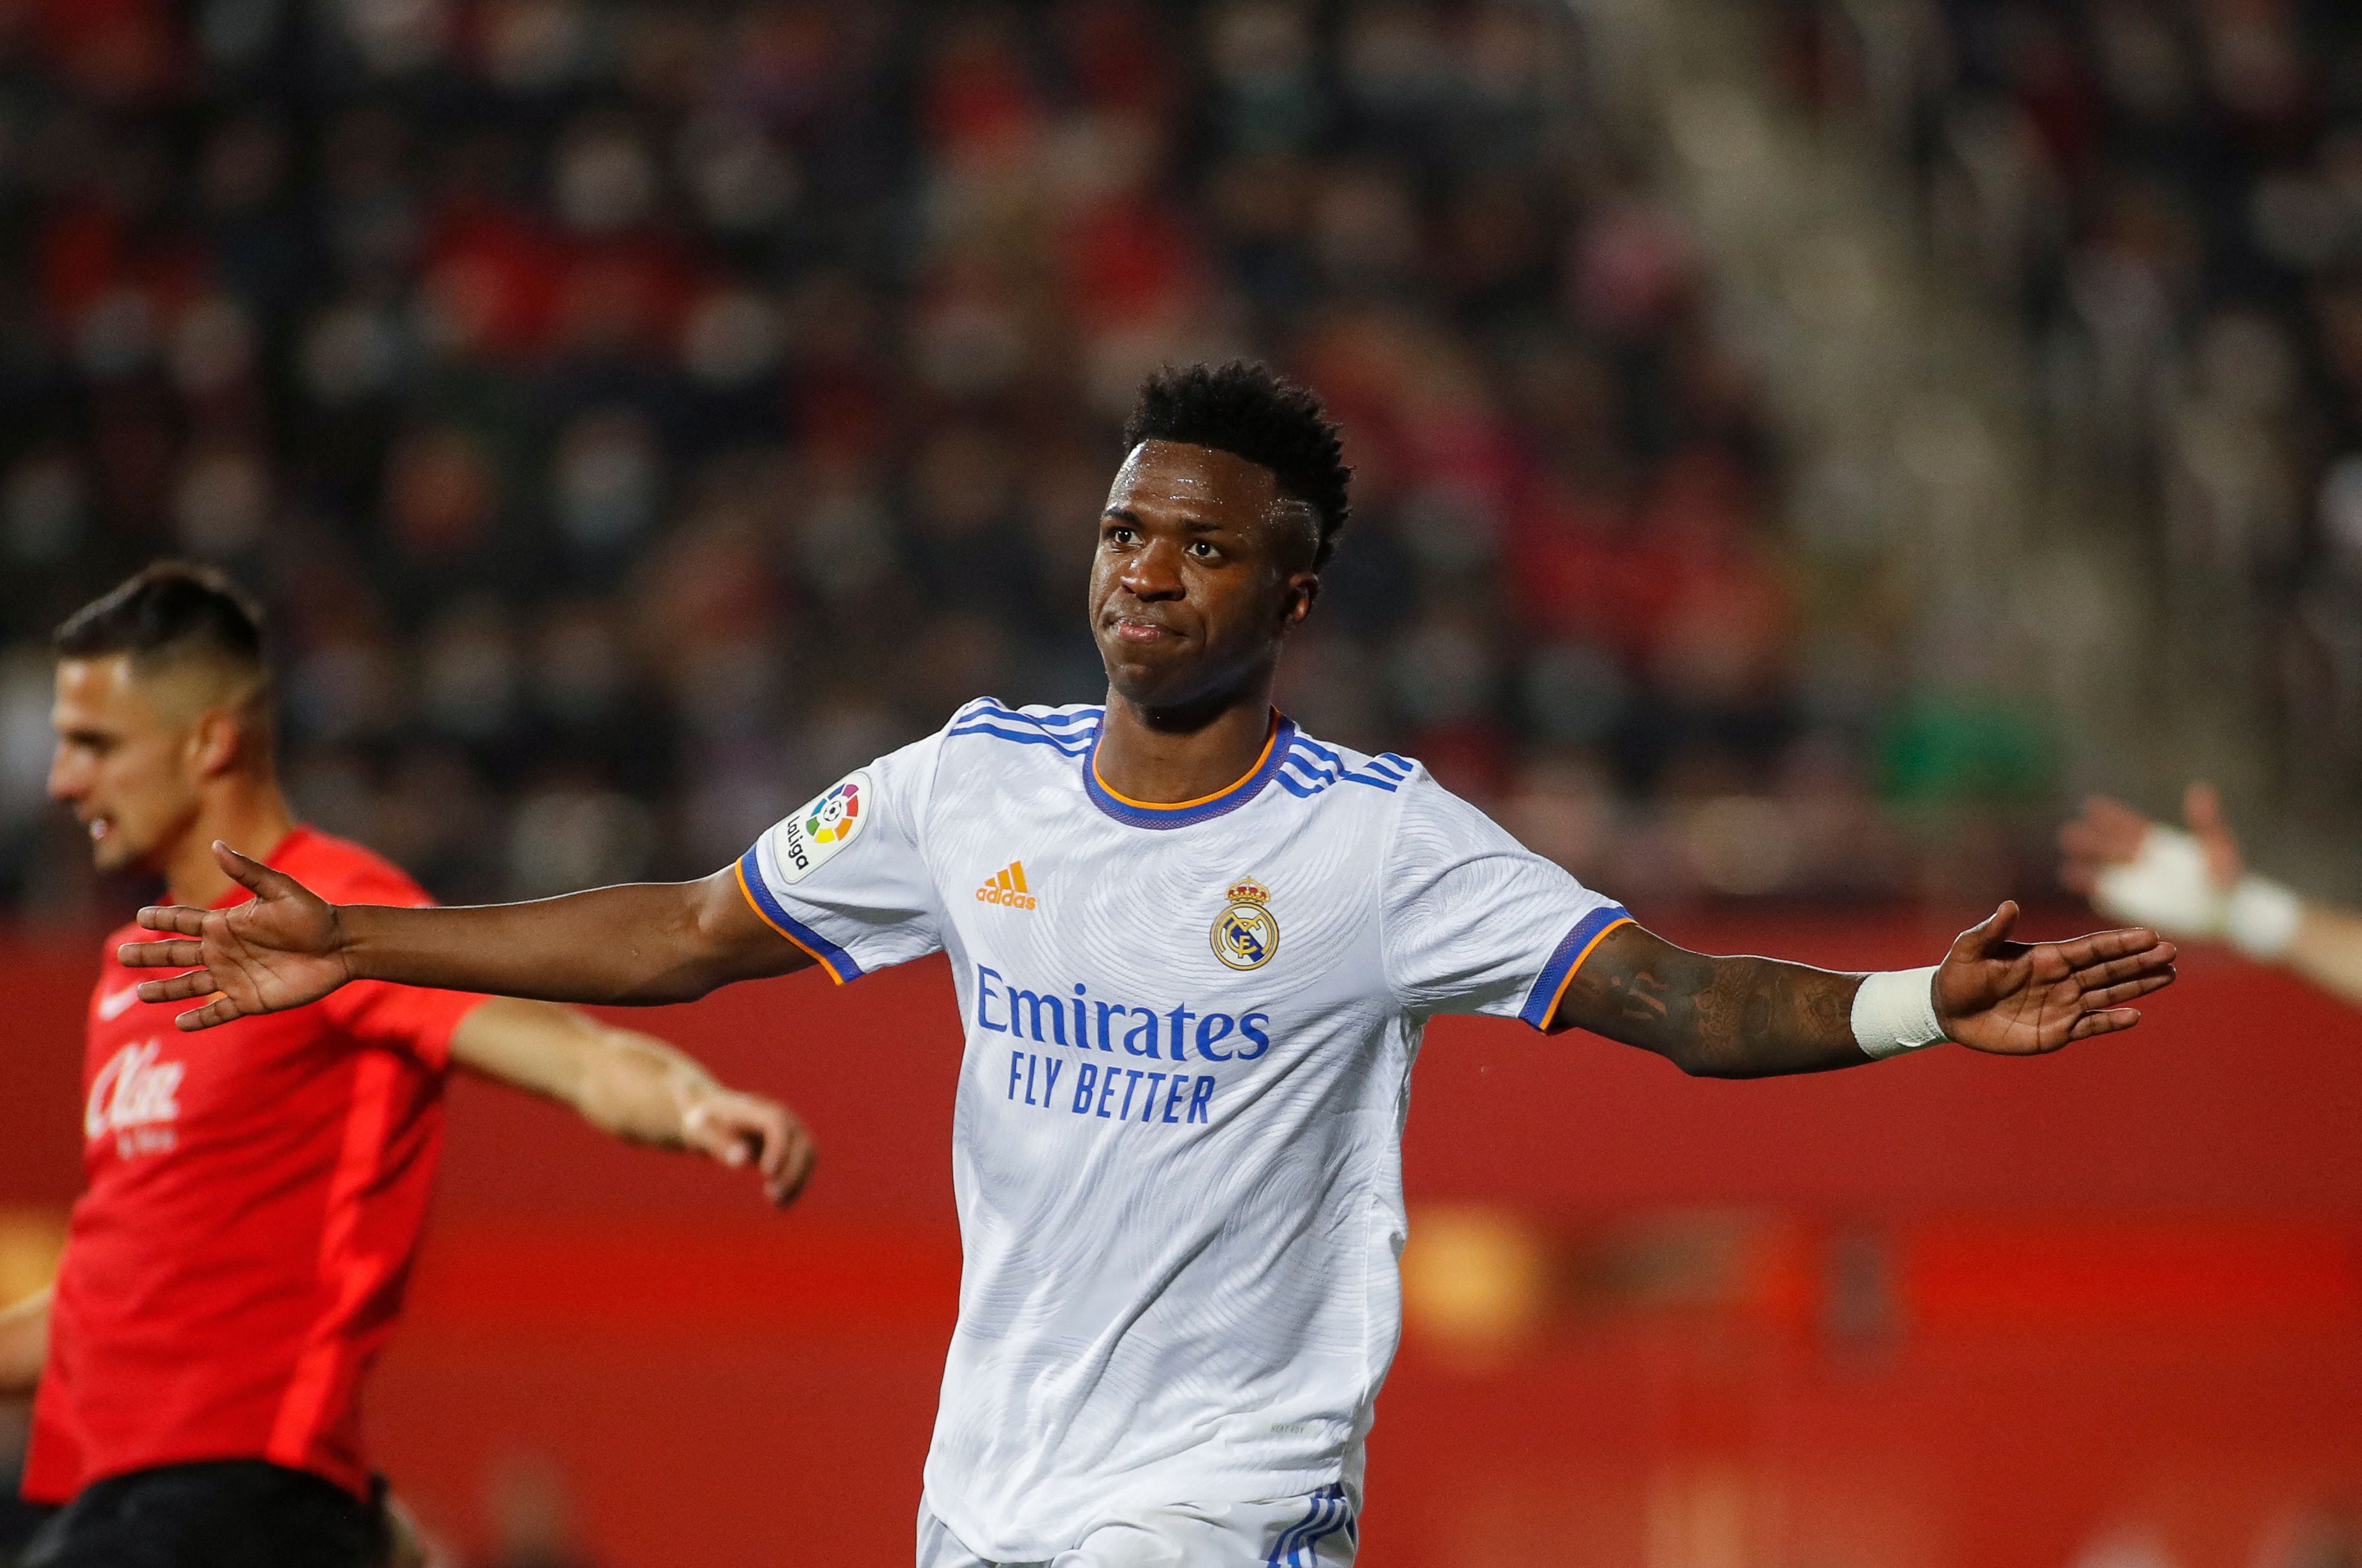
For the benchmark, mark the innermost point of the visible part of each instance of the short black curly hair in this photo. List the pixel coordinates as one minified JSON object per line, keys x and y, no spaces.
{"x":1244,"y":408}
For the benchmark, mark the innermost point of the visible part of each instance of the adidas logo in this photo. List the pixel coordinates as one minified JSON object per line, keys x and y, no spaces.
{"x":1008,"y":886}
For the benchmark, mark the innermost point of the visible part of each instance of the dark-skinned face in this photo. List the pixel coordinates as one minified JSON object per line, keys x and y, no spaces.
{"x":1202,"y":570}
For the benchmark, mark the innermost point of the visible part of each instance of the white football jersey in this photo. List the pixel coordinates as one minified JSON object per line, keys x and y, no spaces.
{"x":1176,"y":1147}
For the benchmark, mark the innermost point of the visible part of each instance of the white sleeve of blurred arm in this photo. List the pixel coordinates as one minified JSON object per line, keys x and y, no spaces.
{"x":2166,"y":887}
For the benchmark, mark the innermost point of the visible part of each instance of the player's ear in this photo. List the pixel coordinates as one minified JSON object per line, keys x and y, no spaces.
{"x":216,"y":742}
{"x":1303,"y":588}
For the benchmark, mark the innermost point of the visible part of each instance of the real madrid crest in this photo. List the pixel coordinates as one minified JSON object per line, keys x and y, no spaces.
{"x":1246,"y":933}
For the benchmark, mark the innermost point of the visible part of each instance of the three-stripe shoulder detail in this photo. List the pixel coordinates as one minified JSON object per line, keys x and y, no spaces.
{"x":1310,"y":767}
{"x":1068,"y":732}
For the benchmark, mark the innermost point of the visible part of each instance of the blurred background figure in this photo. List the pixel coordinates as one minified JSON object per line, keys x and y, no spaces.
{"x":2195,"y":886}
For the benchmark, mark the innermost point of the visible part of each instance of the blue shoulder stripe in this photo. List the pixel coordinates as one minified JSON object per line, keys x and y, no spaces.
{"x":985,"y":707}
{"x":1318,"y":767}
{"x":1074,"y":747}
{"x":1324,"y":753}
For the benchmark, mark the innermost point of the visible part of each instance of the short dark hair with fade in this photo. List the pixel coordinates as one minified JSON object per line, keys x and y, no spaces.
{"x":169,"y":610}
{"x":1246,"y":410}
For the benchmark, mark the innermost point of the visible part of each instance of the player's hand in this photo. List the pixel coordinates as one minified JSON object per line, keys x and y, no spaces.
{"x":741,"y":1128}
{"x":2134,"y":869}
{"x":406,"y":1545}
{"x":2021,"y":998}
{"x":2109,"y":833}
{"x":280,"y":949}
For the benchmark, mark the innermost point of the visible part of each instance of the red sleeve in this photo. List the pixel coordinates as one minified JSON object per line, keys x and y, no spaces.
{"x":409,"y":1019}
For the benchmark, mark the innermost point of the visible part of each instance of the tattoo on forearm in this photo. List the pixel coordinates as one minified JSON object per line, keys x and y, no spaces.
{"x":1722,"y":1017}
{"x":1642,"y":995}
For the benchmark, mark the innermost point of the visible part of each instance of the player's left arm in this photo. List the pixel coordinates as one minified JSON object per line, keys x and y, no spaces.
{"x":1746,"y":1018}
{"x":633,"y":1086}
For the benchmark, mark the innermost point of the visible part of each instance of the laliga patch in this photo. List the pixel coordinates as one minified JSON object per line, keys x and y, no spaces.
{"x":815,"y":835}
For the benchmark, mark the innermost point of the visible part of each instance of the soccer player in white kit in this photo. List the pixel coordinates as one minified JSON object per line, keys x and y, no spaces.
{"x":1194,"y":950}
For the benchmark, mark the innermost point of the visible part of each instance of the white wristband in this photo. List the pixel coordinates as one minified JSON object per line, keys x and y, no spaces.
{"x":2164,"y":885}
{"x":1895,"y":1012}
{"x":2260,"y":918}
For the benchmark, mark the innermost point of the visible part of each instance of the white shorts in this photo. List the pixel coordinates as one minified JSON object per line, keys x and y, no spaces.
{"x":1318,"y":1531}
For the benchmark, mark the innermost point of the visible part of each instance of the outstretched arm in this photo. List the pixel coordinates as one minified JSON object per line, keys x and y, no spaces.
{"x":2196,"y":885}
{"x":24,"y":1345}
{"x":2328,"y":949}
{"x":640,"y":944}
{"x":635,"y":1086}
{"x":1747,"y":1018}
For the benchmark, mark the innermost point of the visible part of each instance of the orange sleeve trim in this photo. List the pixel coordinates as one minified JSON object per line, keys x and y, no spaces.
{"x":1576,"y":967}
{"x":760,"y":913}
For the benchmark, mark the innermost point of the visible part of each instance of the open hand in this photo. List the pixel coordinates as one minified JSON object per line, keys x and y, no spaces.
{"x":2020,"y":998}
{"x":2134,"y":869}
{"x":735,"y":1129}
{"x":280,"y":949}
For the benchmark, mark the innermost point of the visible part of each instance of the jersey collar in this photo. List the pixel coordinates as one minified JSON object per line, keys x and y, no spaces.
{"x":1181,"y":813}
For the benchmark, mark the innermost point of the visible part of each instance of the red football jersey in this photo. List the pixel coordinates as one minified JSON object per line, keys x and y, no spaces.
{"x":256,"y":1195}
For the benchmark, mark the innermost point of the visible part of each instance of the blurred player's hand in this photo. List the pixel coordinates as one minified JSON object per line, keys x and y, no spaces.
{"x":280,"y":949}
{"x":406,"y":1545}
{"x":2021,"y":998}
{"x":2133,"y":868}
{"x":735,"y":1129}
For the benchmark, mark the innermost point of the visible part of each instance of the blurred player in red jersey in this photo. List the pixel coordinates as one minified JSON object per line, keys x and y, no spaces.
{"x":255,"y":1198}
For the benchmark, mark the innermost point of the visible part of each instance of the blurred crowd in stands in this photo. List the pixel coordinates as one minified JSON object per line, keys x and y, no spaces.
{"x":636,"y":413}
{"x":2168,"y":192}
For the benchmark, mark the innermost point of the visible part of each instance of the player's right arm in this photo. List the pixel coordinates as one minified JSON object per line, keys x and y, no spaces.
{"x":640,"y":944}
{"x":1739,"y":1017}
{"x":1474,"y":922}
{"x":24,"y":1345}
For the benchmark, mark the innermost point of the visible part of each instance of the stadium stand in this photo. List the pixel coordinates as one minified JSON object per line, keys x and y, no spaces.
{"x":638,"y":414}
{"x":2166,"y":199}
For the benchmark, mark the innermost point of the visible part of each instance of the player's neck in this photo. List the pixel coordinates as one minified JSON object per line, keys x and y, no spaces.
{"x":249,"y":815}
{"x":1166,"y":757}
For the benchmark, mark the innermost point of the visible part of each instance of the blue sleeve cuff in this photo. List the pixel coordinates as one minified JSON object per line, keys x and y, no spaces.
{"x":1559,"y":973}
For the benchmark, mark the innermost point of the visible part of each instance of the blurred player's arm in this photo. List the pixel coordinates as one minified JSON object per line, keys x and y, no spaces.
{"x":633,"y":1086}
{"x":2195,"y":886}
{"x":641,"y":943}
{"x":24,"y":1345}
{"x":2328,"y":949}
{"x":1749,"y":1018}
